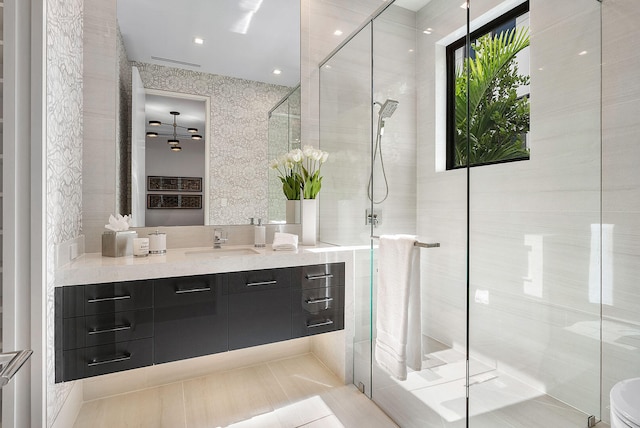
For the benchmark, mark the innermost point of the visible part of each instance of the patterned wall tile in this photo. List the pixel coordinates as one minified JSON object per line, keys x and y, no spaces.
{"x":64,"y":158}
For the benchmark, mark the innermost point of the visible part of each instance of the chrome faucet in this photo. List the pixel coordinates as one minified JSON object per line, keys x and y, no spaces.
{"x":219,"y":237}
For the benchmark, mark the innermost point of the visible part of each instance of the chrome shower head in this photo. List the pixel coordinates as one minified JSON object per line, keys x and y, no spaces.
{"x":387,"y":109}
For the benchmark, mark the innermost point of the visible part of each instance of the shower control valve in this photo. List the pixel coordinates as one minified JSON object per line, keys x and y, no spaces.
{"x":373,"y":217}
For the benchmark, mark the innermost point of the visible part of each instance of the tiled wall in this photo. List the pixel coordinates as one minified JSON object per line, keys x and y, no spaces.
{"x":531,"y":233}
{"x":101,"y":95}
{"x":621,"y":195}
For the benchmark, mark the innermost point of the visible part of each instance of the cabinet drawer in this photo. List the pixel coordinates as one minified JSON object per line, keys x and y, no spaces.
{"x":106,"y":298}
{"x":324,"y":275}
{"x":179,"y":291}
{"x":190,"y":317}
{"x":255,"y":280}
{"x":97,"y":360}
{"x":307,"y":324}
{"x":101,"y":329}
{"x":315,"y":300}
{"x":259,"y":317}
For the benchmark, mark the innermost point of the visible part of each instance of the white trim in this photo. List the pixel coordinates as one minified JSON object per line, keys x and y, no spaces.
{"x":38,"y":213}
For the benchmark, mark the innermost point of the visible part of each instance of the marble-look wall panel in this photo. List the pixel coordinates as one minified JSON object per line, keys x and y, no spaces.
{"x":532,"y":243}
{"x":238,"y":161}
{"x":100,"y":59}
{"x":621,"y":196}
{"x":64,"y":110}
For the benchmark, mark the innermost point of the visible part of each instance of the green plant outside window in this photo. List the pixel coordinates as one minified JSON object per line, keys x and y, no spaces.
{"x":498,"y":118}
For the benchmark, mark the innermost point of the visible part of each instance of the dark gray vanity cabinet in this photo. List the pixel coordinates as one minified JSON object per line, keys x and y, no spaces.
{"x":259,"y":307}
{"x":103,"y":328}
{"x":190,"y":317}
{"x":111,"y":327}
{"x":317,"y":298}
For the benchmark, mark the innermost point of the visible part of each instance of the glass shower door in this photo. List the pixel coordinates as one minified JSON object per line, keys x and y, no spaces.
{"x":535,"y":236}
{"x":345,"y":132}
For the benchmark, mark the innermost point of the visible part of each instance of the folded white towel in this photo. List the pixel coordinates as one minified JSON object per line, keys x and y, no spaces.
{"x":285,"y":241}
{"x":399,"y":338}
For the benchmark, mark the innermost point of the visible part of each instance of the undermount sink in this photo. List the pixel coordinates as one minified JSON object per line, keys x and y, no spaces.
{"x":222,"y":252}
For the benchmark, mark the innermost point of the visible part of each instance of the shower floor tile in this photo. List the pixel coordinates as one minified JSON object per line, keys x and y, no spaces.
{"x":435,"y":397}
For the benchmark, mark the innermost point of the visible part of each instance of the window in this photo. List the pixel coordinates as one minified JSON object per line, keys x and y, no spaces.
{"x":497,"y":74}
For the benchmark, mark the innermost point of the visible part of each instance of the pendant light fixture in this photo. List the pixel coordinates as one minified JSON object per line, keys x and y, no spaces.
{"x":174,"y":142}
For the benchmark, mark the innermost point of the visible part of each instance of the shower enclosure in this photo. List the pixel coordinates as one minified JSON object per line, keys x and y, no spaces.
{"x":521,"y":322}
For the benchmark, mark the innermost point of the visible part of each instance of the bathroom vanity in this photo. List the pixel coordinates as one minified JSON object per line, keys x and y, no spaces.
{"x":190,"y":303}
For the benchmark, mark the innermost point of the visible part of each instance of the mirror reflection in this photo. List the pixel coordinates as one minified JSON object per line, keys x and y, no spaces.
{"x":241,"y":56}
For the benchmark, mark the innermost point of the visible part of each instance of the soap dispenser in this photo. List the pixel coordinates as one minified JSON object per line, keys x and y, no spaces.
{"x":260,"y":232}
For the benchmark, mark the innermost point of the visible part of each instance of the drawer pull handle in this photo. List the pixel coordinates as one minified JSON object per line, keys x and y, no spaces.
{"x":111,"y":330}
{"x":255,"y":284}
{"x":124,"y":357}
{"x":108,"y":299}
{"x":323,"y":276}
{"x":323,"y":300}
{"x":193,"y":290}
{"x":320,"y":324}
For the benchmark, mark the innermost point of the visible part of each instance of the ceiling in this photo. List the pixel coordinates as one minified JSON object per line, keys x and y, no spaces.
{"x":247,"y":39}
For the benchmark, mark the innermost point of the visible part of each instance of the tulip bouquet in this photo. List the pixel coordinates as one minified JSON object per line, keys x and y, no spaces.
{"x":299,"y":170}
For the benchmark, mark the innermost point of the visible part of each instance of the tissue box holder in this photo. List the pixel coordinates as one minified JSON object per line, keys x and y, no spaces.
{"x":118,"y":244}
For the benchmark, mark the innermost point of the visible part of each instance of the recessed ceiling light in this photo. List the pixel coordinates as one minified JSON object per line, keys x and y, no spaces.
{"x":176,"y":148}
{"x":277,"y":71}
{"x":410,"y":50}
{"x":464,"y":5}
{"x":155,"y":123}
{"x":196,"y":137}
{"x":583,"y":53}
{"x":198,"y":41}
{"x":152,"y":134}
{"x":427,"y":31}
{"x":337,"y":33}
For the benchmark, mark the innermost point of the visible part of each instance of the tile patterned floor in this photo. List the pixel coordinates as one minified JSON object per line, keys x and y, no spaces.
{"x":295,"y":392}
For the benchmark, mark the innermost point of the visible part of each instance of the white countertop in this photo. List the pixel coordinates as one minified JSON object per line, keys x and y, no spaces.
{"x":93,"y":268}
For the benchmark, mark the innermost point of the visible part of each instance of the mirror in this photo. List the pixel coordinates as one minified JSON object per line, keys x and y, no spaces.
{"x":284,"y":136}
{"x":226,"y":52}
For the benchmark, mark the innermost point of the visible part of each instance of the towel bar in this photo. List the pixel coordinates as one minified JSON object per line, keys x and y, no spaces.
{"x":417,"y":243}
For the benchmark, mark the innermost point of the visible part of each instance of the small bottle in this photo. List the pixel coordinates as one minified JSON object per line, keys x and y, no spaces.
{"x":260,"y":232}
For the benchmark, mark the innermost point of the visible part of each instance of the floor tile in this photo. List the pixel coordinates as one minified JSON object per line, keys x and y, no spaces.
{"x":153,"y":408}
{"x":326,"y":422}
{"x":231,"y":397}
{"x":303,"y":376}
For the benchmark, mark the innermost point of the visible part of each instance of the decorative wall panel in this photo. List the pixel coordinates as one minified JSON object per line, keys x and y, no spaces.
{"x":64,"y":103}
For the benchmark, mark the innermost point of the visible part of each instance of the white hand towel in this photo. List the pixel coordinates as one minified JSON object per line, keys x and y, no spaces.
{"x":285,"y":241}
{"x":398,"y":324}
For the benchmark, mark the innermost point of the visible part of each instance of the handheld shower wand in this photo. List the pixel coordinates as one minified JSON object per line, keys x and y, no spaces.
{"x":386,"y":110}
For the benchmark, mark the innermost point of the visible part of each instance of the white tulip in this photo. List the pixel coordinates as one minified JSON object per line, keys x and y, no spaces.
{"x":295,"y":155}
{"x":325,"y":155}
{"x":316,"y":155}
{"x":308,"y":151}
{"x":274,"y":163}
